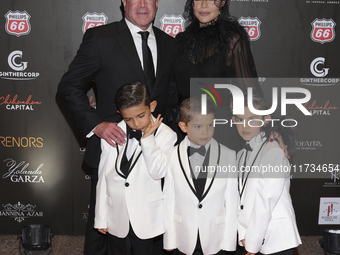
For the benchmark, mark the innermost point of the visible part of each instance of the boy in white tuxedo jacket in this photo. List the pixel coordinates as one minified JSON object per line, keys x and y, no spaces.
{"x":129,"y":199}
{"x":266,"y":222}
{"x":200,"y":207}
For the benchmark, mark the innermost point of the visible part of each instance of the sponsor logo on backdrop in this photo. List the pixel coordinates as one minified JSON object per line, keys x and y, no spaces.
{"x":22,"y":172}
{"x":308,"y":145}
{"x":86,"y":215}
{"x":19,"y":212}
{"x":252,"y":26}
{"x":15,"y":103}
{"x":323,"y":30}
{"x":318,"y":67}
{"x":323,"y":2}
{"x":329,"y":209}
{"x":335,"y":178}
{"x":252,"y":1}
{"x":172,"y":24}
{"x":18,"y":65}
{"x":94,"y":20}
{"x":18,"y":23}
{"x":21,"y":142}
{"x":317,"y":108}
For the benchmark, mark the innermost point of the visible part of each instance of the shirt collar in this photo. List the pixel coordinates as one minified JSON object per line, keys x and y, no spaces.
{"x":255,"y":140}
{"x":134,"y":29}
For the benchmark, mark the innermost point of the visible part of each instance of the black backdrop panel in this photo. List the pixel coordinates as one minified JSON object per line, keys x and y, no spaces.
{"x":43,"y":179}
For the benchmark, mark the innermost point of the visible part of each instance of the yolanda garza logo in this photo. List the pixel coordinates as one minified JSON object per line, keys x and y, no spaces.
{"x":172,"y":24}
{"x":19,"y":172}
{"x":17,"y":23}
{"x":323,"y":30}
{"x":238,"y":104}
{"x":94,"y":20}
{"x":19,"y":212}
{"x":320,"y":70}
{"x":13,"y":103}
{"x":252,"y":26}
{"x":18,"y":66}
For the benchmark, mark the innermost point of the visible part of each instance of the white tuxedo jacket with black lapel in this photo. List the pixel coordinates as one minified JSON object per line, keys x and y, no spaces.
{"x":215,"y":216}
{"x":136,"y":198}
{"x":267,"y":220}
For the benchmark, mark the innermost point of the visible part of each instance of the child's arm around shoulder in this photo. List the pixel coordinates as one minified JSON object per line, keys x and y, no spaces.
{"x":157,"y":148}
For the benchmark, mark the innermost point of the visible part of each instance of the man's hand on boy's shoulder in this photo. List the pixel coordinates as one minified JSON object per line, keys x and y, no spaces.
{"x":111,"y":133}
{"x":152,"y":126}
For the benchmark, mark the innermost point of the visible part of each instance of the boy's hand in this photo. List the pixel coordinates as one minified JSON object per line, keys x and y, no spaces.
{"x":244,"y":245}
{"x":152,"y":126}
{"x":103,"y":230}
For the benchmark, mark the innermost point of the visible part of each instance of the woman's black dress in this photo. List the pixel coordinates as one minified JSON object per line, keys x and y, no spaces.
{"x":220,"y":50}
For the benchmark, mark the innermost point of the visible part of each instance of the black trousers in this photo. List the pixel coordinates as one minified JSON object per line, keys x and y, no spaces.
{"x":131,"y":244}
{"x":285,"y":252}
{"x":95,"y":242}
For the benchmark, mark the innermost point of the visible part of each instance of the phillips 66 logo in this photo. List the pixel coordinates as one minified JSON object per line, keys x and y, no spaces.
{"x":172,"y":24}
{"x":252,"y":26}
{"x":93,"y":20}
{"x":17,"y":23}
{"x":323,"y":30}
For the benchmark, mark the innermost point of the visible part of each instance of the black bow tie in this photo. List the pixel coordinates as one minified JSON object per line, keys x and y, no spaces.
{"x":247,"y":147}
{"x":135,"y":134}
{"x":200,"y":150}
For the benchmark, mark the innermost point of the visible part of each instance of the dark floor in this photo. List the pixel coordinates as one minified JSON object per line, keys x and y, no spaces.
{"x":67,"y":245}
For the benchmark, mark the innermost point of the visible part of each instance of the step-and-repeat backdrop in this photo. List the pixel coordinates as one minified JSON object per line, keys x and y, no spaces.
{"x":42,"y":177}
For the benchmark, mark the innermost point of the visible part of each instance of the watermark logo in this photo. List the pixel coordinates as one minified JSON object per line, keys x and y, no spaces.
{"x":17,"y":23}
{"x":323,"y":30}
{"x":238,"y":100}
{"x":94,"y":20}
{"x":252,"y":26}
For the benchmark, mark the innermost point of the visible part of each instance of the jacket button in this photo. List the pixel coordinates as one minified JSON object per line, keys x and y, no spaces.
{"x":241,"y":207}
{"x":200,"y":206}
{"x":127,"y":184}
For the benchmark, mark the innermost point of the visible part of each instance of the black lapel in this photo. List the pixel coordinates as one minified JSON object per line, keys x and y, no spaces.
{"x":187,"y":179}
{"x":245,"y":182}
{"x":127,"y":45}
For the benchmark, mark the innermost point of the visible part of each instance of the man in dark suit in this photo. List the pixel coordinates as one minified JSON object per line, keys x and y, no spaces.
{"x":111,"y":56}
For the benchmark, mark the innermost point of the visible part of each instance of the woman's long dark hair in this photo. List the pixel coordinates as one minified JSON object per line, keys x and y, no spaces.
{"x":197,"y":43}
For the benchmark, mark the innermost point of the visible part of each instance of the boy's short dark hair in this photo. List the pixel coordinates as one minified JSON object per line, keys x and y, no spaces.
{"x":193,"y":106}
{"x":132,"y":94}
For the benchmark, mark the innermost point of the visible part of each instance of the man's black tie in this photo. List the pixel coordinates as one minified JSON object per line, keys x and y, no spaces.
{"x":149,"y":69}
{"x":200,"y":150}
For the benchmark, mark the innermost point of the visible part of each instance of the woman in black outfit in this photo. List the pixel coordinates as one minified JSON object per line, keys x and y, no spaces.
{"x":215,"y":45}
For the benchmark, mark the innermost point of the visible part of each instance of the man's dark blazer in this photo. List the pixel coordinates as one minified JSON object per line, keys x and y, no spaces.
{"x":108,"y":56}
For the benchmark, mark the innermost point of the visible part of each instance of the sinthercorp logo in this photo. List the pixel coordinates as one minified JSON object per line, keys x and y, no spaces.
{"x":18,"y":65}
